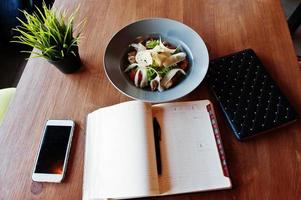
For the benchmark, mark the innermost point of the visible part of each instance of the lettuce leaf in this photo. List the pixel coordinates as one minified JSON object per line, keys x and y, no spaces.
{"x":150,"y":44}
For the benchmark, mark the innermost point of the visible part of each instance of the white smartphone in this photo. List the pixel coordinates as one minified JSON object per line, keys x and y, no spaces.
{"x":51,"y":161}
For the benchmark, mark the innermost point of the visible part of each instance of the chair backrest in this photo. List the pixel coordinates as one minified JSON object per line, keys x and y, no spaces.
{"x":6,"y":95}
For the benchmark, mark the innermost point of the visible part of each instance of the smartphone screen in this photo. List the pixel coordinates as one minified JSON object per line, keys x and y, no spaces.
{"x":53,"y":150}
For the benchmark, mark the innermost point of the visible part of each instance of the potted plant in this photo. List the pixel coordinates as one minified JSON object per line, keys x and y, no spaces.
{"x":50,"y":33}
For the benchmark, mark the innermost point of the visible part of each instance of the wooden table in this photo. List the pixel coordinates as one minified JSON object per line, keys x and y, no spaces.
{"x":266,"y":167}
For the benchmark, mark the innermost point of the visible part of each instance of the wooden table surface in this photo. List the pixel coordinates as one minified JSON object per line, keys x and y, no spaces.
{"x":266,"y":167}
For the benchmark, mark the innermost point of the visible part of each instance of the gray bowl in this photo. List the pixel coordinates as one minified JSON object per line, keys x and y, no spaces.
{"x":169,"y":30}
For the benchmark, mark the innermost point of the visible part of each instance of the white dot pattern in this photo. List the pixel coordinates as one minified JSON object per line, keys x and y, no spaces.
{"x":249,"y":97}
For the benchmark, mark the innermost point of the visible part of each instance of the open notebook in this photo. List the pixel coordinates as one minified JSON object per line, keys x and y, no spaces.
{"x":120,"y":153}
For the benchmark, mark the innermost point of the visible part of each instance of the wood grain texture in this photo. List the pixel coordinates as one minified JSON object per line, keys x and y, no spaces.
{"x":266,"y":167}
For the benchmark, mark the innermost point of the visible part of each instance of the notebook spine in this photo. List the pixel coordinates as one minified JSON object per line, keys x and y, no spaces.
{"x":218,"y":140}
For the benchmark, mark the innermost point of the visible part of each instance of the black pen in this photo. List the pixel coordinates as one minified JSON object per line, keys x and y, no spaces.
{"x":157,"y":137}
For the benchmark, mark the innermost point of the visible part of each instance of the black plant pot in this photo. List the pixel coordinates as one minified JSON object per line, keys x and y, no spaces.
{"x":69,"y":64}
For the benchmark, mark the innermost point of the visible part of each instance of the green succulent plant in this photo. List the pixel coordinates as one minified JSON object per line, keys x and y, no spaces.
{"x":49,"y":31}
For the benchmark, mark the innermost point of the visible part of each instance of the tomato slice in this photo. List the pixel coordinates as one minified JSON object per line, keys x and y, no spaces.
{"x":133,"y":73}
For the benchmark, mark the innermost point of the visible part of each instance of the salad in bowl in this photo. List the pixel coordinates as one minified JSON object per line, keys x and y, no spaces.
{"x":155,"y":64}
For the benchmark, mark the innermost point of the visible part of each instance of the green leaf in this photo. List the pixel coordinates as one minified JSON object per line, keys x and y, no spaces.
{"x":151,"y":74}
{"x":150,"y":44}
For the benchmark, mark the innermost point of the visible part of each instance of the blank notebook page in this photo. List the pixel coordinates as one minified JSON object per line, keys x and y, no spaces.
{"x":190,"y":158}
{"x":120,"y":158}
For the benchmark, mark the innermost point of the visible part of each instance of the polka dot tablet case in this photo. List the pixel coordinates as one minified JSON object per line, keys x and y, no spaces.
{"x":248,"y":96}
